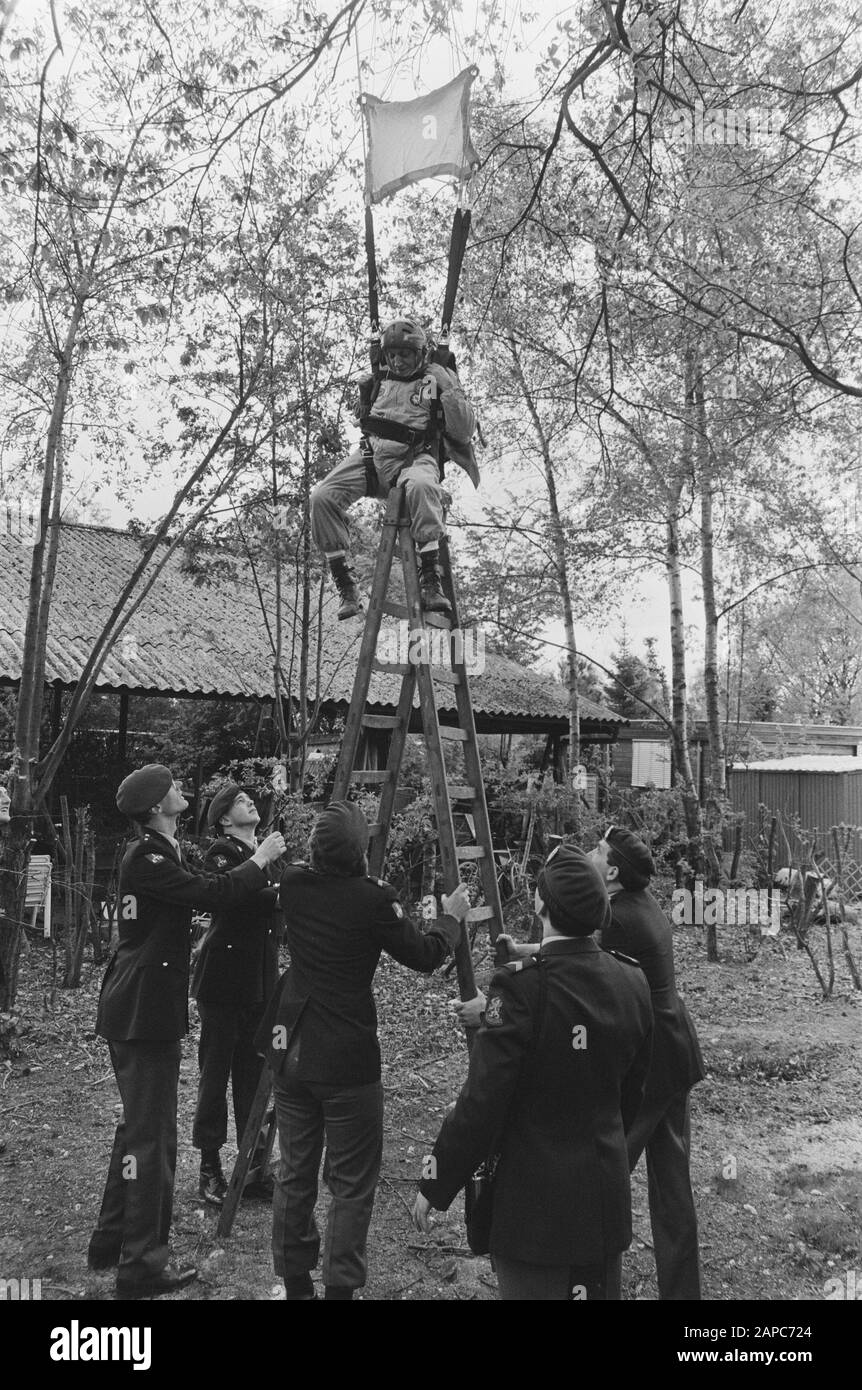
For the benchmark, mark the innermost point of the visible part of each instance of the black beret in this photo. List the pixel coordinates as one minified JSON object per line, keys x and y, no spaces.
{"x":222,"y":802}
{"x":340,"y":836}
{"x":143,"y":789}
{"x":632,"y":849}
{"x":572,"y":888}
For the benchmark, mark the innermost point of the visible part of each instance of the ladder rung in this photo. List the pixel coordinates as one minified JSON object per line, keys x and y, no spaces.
{"x":451,"y":731}
{"x":438,"y":620}
{"x":481,"y":914}
{"x":470,"y":851}
{"x":394,"y":610}
{"x":461,"y":793}
{"x":379,"y":721}
{"x":375,"y":828}
{"x":391,"y":668}
{"x":369,"y":776}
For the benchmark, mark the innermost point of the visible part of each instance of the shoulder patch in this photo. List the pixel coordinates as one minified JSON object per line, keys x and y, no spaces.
{"x":155,"y":858}
{"x":627,"y":960}
{"x":381,"y":882}
{"x":494,"y":1012}
{"x":397,"y":909}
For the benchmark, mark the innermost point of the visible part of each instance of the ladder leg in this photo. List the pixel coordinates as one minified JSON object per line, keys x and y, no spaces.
{"x":247,"y":1149}
{"x":353,"y":723}
{"x":436,"y":761}
{"x":493,"y":910}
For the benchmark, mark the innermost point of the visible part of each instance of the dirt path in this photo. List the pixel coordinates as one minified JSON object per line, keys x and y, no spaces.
{"x":777,"y":1143}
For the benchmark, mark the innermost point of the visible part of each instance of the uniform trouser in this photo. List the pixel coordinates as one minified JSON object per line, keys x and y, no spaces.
{"x":347,"y":483}
{"x":520,"y":1282}
{"x":351,"y":1120}
{"x":225,"y":1051}
{"x":664,"y":1131}
{"x":135,"y":1216}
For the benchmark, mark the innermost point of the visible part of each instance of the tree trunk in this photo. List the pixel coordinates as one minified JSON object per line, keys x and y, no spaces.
{"x":15,"y":851}
{"x":558,"y":541}
{"x":696,"y":855}
{"x":716,"y":775}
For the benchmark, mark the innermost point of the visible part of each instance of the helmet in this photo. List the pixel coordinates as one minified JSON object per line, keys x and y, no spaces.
{"x":405,"y":334}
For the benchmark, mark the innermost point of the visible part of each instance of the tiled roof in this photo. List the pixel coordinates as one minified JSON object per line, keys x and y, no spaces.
{"x":211,"y":639}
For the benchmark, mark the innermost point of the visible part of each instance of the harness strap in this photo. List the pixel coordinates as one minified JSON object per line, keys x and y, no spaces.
{"x":401,"y":434}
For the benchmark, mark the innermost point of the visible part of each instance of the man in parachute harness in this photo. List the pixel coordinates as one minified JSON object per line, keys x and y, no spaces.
{"x":413,"y":413}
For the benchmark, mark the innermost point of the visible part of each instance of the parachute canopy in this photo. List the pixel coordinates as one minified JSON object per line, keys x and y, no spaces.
{"x":420,"y":139}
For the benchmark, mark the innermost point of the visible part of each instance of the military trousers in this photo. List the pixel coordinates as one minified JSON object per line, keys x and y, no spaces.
{"x":349,"y":1120}
{"x":135,"y":1216}
{"x":520,"y":1282}
{"x":226,"y":1052}
{"x":664,"y":1131}
{"x":347,"y":483}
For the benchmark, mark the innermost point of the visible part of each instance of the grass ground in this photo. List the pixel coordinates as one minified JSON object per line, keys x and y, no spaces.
{"x":776,"y":1165}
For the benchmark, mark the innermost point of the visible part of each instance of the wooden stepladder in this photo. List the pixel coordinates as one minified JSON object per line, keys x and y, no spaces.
{"x":467,"y":792}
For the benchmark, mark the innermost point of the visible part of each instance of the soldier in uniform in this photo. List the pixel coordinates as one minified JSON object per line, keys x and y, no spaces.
{"x":143,"y":1013}
{"x":640,"y":928}
{"x":556,"y":1078}
{"x":322,"y":1046}
{"x":234,"y":976}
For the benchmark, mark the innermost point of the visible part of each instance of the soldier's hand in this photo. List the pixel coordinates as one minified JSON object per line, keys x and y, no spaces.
{"x":422,"y":1214}
{"x":269,"y":849}
{"x":444,"y":378}
{"x":506,"y":949}
{"x":469,"y":1011}
{"x":457,"y":903}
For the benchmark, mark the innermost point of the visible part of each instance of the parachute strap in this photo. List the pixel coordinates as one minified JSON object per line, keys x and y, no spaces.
{"x":373,"y":292}
{"x":457,"y":247}
{"x":417,"y":440}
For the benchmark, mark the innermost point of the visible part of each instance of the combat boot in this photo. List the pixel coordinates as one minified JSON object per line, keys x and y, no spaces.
{"x":433,"y":598}
{"x":212,"y":1186}
{"x":345,"y":583}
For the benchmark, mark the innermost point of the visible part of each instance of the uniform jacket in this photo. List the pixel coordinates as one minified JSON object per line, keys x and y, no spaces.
{"x":552,"y":1087}
{"x":144,"y":993}
{"x":238,"y":961}
{"x":336,"y":929}
{"x":640,"y":929}
{"x":410,"y":403}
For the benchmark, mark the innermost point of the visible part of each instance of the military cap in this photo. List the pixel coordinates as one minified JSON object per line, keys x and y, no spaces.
{"x":632,"y":849}
{"x":573,"y":890}
{"x":222,"y":802}
{"x":340,"y":837}
{"x":143,"y":789}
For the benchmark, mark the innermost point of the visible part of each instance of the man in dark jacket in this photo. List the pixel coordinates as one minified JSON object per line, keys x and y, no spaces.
{"x":143,"y":1012}
{"x":323,"y":1050}
{"x":639,"y":928}
{"x":235,"y":974}
{"x":556,"y":1076}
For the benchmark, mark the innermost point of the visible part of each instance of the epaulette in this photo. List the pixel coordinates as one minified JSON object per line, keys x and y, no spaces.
{"x":523,"y":963}
{"x":627,"y":960}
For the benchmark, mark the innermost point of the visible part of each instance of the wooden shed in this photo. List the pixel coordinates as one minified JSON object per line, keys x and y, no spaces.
{"x":816,"y":790}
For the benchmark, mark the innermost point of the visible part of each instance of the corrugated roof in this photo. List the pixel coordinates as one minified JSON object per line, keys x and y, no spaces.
{"x":211,"y":639}
{"x":803,"y":762}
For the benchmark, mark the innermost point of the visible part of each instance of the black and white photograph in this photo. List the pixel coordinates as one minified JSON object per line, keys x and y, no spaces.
{"x":431,"y":666}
